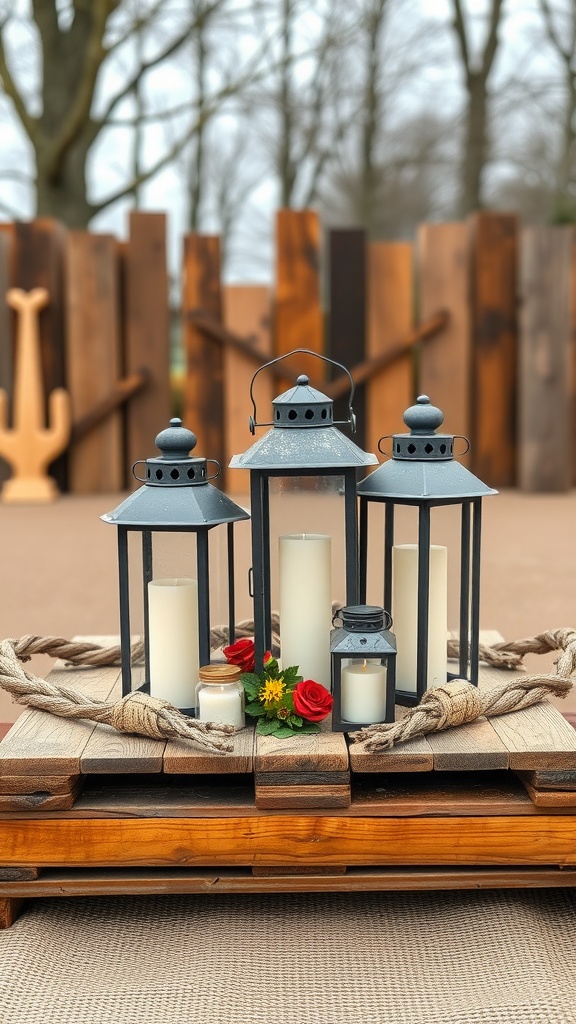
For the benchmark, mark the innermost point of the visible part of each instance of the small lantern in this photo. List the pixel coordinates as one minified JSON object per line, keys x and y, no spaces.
{"x":303,"y":442}
{"x":177,"y":499}
{"x":363,"y":654}
{"x":422,"y":473}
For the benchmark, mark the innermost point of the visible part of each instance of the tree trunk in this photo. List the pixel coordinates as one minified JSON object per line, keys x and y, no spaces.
{"x":63,"y":196}
{"x":475,"y":146}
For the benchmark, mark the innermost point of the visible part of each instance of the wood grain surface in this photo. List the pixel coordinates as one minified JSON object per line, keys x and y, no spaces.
{"x":183,"y":758}
{"x":204,"y":382}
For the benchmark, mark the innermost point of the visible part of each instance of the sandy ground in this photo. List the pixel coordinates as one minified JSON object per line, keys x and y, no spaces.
{"x":58,"y":568}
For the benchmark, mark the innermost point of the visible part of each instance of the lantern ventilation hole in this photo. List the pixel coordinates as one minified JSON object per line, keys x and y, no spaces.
{"x":174,"y":474}
{"x":277,"y":414}
{"x":428,"y":448}
{"x":323,"y":414}
{"x":148,"y":473}
{"x":203,"y":473}
{"x":443,"y":449}
{"x":309,"y":414}
{"x":411,"y":448}
{"x":191,"y":474}
{"x":159,"y":474}
{"x":292,"y":414}
{"x":397,"y":447}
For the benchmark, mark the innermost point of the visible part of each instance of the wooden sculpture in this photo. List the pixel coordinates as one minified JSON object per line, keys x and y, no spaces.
{"x":29,"y":445}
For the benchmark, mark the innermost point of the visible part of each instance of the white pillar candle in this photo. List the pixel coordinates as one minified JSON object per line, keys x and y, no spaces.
{"x":363,"y":692}
{"x":221,"y":704}
{"x":306,"y":604}
{"x":404,"y":612}
{"x":173,"y":640}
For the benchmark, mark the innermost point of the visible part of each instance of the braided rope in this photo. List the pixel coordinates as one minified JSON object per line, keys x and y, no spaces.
{"x":458,"y":702}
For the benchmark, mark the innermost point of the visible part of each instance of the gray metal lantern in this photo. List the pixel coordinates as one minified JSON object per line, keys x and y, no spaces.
{"x":363,"y":656}
{"x":303,"y":441}
{"x":177,"y":498}
{"x":422,"y":473}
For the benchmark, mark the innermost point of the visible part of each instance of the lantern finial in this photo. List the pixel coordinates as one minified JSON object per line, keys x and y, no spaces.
{"x":176,"y":442}
{"x":423,"y":418}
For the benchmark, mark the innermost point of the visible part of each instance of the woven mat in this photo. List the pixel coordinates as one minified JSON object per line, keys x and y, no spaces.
{"x":404,"y":958}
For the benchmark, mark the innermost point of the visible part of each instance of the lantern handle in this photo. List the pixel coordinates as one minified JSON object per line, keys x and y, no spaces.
{"x":139,"y":462}
{"x":386,"y":437}
{"x":351,"y":421}
{"x":461,"y":437}
{"x":217,"y":473}
{"x":386,"y":615}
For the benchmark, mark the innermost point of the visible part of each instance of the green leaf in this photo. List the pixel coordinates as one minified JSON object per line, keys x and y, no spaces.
{"x":309,"y":727}
{"x":267,"y":726}
{"x":295,"y":720}
{"x":255,"y":708}
{"x":283,"y":732}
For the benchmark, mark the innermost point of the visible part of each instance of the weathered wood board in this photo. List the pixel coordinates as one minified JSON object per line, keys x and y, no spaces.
{"x":298,"y":317}
{"x":347,"y":285}
{"x":204,"y":382}
{"x":182,"y":758}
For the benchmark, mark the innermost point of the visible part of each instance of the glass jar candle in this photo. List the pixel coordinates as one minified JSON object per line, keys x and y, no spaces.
{"x":220,"y":695}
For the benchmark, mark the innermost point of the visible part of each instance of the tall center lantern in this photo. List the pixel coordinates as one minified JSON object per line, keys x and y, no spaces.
{"x":172,"y":516}
{"x":303,"y":442}
{"x":423,"y":473}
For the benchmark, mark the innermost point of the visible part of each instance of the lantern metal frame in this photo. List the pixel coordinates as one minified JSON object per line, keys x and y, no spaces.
{"x":303,"y":442}
{"x":364,"y":634}
{"x":422,"y":473}
{"x":177,"y":497}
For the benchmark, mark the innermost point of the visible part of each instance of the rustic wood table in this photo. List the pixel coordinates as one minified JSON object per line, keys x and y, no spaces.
{"x":86,"y":811}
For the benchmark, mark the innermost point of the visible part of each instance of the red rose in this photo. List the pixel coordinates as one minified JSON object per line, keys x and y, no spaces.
{"x":312,"y":701}
{"x":242,"y":654}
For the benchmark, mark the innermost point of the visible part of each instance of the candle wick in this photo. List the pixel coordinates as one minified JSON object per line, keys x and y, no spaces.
{"x":364,"y":665}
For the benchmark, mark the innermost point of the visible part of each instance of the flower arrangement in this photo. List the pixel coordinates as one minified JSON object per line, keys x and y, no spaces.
{"x":280,"y":699}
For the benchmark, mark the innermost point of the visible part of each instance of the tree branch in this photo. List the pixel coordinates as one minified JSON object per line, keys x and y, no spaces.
{"x":29,"y":124}
{"x":460,"y":29}
{"x":566,"y":55}
{"x":492,"y":40}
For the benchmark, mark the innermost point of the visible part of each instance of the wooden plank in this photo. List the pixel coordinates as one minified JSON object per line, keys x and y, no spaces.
{"x":302,"y":778}
{"x":109,"y":752}
{"x":6,"y":347}
{"x":390,"y":316}
{"x":546,"y":363}
{"x":540,"y":839}
{"x":444,"y":365}
{"x":40,"y":801}
{"x":39,"y":742}
{"x":140,"y":881}
{"x":293,"y":797}
{"x":494,"y":339}
{"x":347,"y":287}
{"x":449,"y":794}
{"x":56,"y":785}
{"x":183,"y":758}
{"x":319,"y":752}
{"x":163,"y":796}
{"x":298,"y":318}
{"x":9,"y":911}
{"x":472,"y":747}
{"x":547,"y":797}
{"x":204,"y":381}
{"x":413,"y":756}
{"x":146,"y":333}
{"x":271,"y":872}
{"x":552,"y":780}
{"x":38,"y":263}
{"x":247,"y":312}
{"x":537,"y":737}
{"x":94,"y":363}
{"x":18,"y":874}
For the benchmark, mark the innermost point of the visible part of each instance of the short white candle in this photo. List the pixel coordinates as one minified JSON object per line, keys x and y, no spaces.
{"x":306,"y":604}
{"x":173,"y":640}
{"x":363,"y":692}
{"x":404,"y":612}
{"x":221,"y":703}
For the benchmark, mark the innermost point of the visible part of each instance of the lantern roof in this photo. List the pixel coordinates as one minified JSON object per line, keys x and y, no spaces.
{"x":422,"y":467}
{"x":177,"y":493}
{"x":303,"y":436}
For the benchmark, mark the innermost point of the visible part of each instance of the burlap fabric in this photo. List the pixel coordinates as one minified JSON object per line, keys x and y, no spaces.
{"x":503,"y":957}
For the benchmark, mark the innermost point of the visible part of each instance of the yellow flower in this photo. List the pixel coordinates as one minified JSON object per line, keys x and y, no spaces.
{"x":271,"y":692}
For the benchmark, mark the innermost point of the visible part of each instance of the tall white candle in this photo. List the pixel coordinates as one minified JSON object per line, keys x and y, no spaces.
{"x":306,"y":604}
{"x":363,"y":692}
{"x":173,"y":640}
{"x":404,"y":612}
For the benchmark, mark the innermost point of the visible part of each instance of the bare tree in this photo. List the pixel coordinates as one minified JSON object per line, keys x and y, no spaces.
{"x":476,"y":74}
{"x":561,"y":33}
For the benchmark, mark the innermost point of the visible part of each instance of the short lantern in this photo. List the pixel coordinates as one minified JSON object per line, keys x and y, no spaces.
{"x":423,"y":473}
{"x":303,"y":441}
{"x":177,"y":500}
{"x":363,"y":654}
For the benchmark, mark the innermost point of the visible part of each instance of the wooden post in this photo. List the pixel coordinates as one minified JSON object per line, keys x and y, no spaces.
{"x":494,"y":357}
{"x":445,"y":362}
{"x":203,"y":386}
{"x":38,"y":263}
{"x":347,"y":321}
{"x":246,"y":313}
{"x":298,"y":317}
{"x":546,"y":365}
{"x":146,"y":333}
{"x":96,"y":460}
{"x":6,"y":348}
{"x":390,"y":314}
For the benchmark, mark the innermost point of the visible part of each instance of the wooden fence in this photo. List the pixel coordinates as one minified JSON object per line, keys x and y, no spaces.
{"x":479,"y":315}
